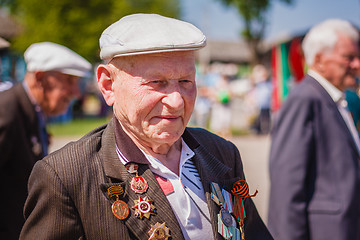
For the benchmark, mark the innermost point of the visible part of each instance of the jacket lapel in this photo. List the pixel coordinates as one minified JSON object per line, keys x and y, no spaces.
{"x":334,"y":109}
{"x":31,"y":120}
{"x":210,"y":170}
{"x":116,"y":174}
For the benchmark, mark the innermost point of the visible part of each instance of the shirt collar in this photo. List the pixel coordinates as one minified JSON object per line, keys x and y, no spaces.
{"x":334,"y":93}
{"x":160,"y":169}
{"x":128,"y":151}
{"x":32,"y":99}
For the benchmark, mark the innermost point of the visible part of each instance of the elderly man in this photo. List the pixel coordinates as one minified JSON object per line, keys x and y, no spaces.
{"x":314,"y":159}
{"x":144,"y":175}
{"x":49,"y":85}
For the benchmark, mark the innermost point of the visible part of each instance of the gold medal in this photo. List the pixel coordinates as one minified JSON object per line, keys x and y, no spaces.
{"x":144,"y":208}
{"x":120,"y":209}
{"x":159,"y":232}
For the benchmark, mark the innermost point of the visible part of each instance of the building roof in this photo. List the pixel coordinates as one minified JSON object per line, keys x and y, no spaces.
{"x":4,"y":43}
{"x":222,"y":51}
{"x":8,"y":26}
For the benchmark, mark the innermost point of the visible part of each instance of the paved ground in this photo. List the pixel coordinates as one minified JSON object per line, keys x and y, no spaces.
{"x":254,"y":151}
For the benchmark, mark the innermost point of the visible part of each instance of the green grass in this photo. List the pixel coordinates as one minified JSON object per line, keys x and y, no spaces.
{"x":76,"y":127}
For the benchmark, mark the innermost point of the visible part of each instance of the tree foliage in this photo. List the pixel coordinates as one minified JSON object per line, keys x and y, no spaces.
{"x":253,"y":13}
{"x":77,"y":24}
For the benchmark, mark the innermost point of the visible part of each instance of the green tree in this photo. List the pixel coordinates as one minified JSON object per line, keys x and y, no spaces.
{"x":253,"y":13}
{"x":77,"y":24}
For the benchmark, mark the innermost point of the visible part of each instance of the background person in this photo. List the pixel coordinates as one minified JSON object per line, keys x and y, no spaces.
{"x":144,"y":163}
{"x":48,"y":88}
{"x":314,"y":157}
{"x":352,"y":98}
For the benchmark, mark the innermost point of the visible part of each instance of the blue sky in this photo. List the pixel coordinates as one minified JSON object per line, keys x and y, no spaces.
{"x":221,"y":23}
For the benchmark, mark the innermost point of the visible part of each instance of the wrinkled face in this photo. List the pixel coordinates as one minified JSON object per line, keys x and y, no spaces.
{"x":59,"y":90}
{"x":341,"y":63}
{"x":155,"y":94}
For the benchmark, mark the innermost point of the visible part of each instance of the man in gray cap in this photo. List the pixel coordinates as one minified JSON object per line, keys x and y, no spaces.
{"x":49,"y":85}
{"x":144,"y":175}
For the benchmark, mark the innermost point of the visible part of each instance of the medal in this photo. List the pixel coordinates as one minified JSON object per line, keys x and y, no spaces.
{"x":159,"y":232}
{"x":137,"y":184}
{"x":216,"y":194}
{"x":119,"y":208}
{"x":144,"y":208}
{"x":228,"y":204}
{"x":235,"y":233}
{"x":132,"y":168}
{"x":226,"y":217}
{"x":241,"y":192}
{"x":36,"y":148}
{"x":226,"y":222}
{"x":222,"y":229}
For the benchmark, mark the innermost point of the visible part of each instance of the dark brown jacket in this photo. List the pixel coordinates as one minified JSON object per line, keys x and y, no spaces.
{"x":68,"y":189}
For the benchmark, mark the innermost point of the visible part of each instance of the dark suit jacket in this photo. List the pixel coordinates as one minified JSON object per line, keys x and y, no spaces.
{"x":314,"y":169}
{"x":68,"y":189}
{"x":19,"y":133}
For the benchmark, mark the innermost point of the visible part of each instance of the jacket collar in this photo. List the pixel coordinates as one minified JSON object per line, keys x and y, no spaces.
{"x":209,"y":168}
{"x":332,"y":106}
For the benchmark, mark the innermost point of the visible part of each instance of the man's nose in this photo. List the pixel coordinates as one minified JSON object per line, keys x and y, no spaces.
{"x":355,"y":64}
{"x":174,"y":99}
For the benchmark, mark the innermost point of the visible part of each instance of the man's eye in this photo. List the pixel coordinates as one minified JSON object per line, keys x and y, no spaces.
{"x":349,"y":58}
{"x":158,"y":82}
{"x":185,"y":81}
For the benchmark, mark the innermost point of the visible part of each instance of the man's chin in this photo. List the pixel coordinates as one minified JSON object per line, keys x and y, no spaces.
{"x":168,"y":137}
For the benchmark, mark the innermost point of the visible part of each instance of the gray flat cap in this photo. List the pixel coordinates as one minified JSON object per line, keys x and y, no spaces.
{"x":149,"y":33}
{"x":48,"y":56}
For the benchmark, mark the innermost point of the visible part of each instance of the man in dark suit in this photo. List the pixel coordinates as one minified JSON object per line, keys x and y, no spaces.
{"x":144,"y":175}
{"x":314,"y":158}
{"x":48,"y":87}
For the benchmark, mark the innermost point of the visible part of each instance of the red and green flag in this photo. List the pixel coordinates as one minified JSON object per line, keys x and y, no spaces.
{"x":287,"y":63}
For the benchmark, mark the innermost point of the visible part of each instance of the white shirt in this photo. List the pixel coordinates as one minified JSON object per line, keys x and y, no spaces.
{"x":339,"y":99}
{"x":187,"y":197}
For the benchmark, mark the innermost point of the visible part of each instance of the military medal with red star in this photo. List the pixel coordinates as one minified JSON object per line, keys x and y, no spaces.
{"x":144,"y":208}
{"x":159,"y":232}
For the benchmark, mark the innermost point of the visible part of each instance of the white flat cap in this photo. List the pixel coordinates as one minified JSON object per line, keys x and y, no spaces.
{"x":47,"y":56}
{"x":149,"y":33}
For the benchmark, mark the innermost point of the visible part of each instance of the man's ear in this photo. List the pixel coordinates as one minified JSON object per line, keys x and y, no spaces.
{"x":318,"y":62}
{"x":39,"y":78}
{"x":105,"y":82}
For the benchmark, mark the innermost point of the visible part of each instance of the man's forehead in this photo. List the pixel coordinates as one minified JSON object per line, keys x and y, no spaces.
{"x":153,"y":59}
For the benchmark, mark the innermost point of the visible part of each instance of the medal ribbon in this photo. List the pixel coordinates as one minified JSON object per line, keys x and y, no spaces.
{"x":216,"y":194}
{"x":115,"y":191}
{"x":241,"y":192}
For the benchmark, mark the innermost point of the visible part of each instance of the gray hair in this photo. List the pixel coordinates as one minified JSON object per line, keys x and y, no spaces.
{"x":322,"y":37}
